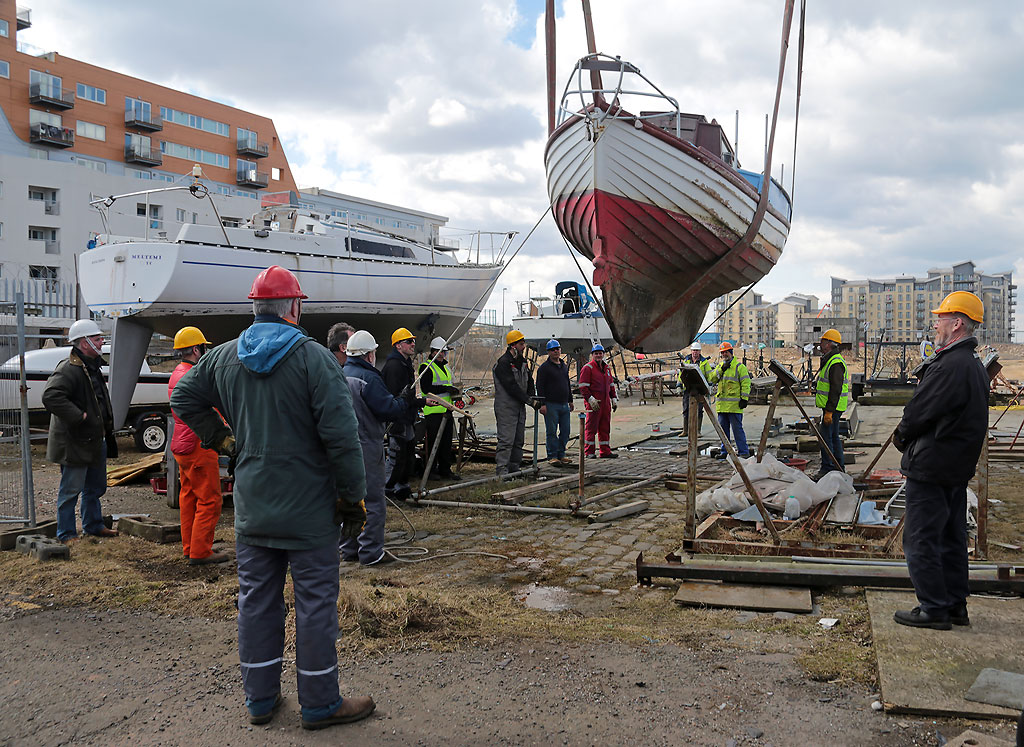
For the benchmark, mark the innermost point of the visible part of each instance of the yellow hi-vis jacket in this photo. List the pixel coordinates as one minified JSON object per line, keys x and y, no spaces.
{"x":442,"y":376}
{"x":733,"y":381}
{"x":823,"y":387}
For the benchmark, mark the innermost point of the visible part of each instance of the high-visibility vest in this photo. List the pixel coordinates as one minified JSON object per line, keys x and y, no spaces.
{"x":441,"y":376}
{"x":821,"y":390}
{"x":733,"y":385}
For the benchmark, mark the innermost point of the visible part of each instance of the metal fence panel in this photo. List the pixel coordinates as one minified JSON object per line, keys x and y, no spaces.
{"x":17,"y":498}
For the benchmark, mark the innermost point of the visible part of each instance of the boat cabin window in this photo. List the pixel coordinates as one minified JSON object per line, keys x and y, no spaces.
{"x":362,"y":246}
{"x":569,"y":301}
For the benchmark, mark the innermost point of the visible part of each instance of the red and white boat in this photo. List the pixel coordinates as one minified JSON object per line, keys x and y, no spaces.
{"x":656,"y":200}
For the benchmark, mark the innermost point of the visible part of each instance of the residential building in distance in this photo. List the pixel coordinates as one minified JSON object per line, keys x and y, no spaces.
{"x":899,"y":309}
{"x":72,"y":132}
{"x":751,"y":320}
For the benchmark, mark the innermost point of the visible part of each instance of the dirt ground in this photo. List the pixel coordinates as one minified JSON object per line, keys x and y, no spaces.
{"x":127,"y":644}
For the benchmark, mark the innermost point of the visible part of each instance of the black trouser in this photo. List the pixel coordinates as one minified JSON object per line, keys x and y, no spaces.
{"x":435,"y":422}
{"x":935,"y":544}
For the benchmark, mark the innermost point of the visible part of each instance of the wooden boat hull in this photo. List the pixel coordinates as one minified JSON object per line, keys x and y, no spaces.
{"x":658,"y":217}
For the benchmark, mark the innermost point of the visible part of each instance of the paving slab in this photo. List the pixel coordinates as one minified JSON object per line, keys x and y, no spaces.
{"x":996,"y":687}
{"x":928,"y":672}
{"x":743,"y":596}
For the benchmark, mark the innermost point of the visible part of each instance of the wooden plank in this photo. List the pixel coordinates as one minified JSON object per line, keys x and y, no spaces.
{"x":744,"y":596}
{"x":515,"y":495}
{"x":626,"y":509}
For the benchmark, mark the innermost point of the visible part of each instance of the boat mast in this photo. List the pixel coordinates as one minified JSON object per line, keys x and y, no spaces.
{"x":549,"y":43}
{"x":595,"y":74}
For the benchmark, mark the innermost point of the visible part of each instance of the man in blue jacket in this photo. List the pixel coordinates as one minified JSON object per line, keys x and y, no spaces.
{"x":374,"y":406}
{"x":299,"y":474}
{"x":941,"y":435}
{"x":554,"y":389}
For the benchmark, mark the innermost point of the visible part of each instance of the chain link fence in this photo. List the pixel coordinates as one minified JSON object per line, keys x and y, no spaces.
{"x":17,"y":499}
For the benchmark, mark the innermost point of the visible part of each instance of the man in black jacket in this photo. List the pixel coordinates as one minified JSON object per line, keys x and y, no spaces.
{"x":513,"y":391}
{"x":554,"y":389}
{"x":399,"y":378}
{"x":81,"y":432}
{"x":941,"y":434}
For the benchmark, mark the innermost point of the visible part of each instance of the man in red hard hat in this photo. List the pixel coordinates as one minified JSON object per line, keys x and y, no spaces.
{"x":941,"y":434}
{"x":299,"y":474}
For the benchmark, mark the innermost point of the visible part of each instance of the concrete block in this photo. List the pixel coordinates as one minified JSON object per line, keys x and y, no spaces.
{"x":9,"y":538}
{"x":41,"y":547}
{"x":152,"y":530}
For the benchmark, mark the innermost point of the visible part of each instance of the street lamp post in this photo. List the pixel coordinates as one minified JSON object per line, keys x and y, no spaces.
{"x":503,"y":306}
{"x":529,"y":291}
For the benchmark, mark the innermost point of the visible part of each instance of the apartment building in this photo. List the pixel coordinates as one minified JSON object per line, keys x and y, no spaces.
{"x":899,"y":309}
{"x":751,"y":320}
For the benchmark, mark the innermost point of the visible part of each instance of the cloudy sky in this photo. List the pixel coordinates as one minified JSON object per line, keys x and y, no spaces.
{"x":911,"y":147}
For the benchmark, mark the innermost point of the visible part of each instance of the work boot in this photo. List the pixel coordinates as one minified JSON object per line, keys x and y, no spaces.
{"x":351,"y":709}
{"x":958,"y":615}
{"x":384,"y":559}
{"x":104,"y":532}
{"x":266,"y":718}
{"x":918,"y":618}
{"x":566,"y":462}
{"x":610,"y":455}
{"x":403,"y":494}
{"x":213,"y":557}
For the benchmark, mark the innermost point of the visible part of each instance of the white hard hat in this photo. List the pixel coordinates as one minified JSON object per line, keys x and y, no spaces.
{"x":361,"y":343}
{"x":694,"y":345}
{"x":83,"y":328}
{"x":439,"y":343}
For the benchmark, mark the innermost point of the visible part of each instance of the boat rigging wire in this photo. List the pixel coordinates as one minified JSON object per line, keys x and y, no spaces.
{"x":799,"y":87}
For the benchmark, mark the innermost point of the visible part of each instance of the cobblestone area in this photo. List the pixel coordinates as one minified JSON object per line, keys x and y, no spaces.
{"x":598,"y":557}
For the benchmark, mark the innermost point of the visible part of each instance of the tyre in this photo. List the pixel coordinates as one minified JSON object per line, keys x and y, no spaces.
{"x":151,"y":433}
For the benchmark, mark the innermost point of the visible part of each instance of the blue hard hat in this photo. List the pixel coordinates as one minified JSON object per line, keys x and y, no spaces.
{"x":597,"y":346}
{"x":552,"y":344}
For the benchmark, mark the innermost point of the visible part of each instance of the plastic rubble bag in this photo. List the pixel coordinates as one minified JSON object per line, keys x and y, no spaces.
{"x":837,"y":483}
{"x":972,"y":509}
{"x":777,"y":469}
{"x":808,"y":493}
{"x":720,"y":499}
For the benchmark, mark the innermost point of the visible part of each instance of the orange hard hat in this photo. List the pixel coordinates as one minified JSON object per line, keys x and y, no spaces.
{"x":965,"y":302}
{"x":724,"y":346}
{"x":276,"y":282}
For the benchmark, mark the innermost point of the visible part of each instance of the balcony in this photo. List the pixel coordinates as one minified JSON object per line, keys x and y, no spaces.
{"x":51,"y":207}
{"x":51,"y":96}
{"x":52,"y":247}
{"x":142,"y":154}
{"x":250,"y":146}
{"x":252,"y":178}
{"x":151,"y":122}
{"x":24,"y":18}
{"x":46,"y":134}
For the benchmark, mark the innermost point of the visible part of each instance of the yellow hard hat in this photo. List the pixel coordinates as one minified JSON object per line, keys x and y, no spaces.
{"x":833,"y":335}
{"x":513,"y":337}
{"x":965,"y":302}
{"x":401,"y":334}
{"x":186,"y":337}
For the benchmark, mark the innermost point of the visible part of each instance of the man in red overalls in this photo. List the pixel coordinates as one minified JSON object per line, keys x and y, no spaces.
{"x":598,"y":391}
{"x":199,"y":500}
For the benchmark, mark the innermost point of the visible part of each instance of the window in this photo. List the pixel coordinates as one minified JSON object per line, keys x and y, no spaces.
{"x":179,"y":215}
{"x":90,"y":130}
{"x":195,"y":217}
{"x":43,"y":272}
{"x":243,"y":193}
{"x":221,"y":189}
{"x":138,"y":173}
{"x":37,"y":117}
{"x":231,"y":222}
{"x":1,"y":229}
{"x":247,"y":137}
{"x":5,"y":28}
{"x":91,"y":93}
{"x":195,"y":121}
{"x":5,"y":69}
{"x":189,"y":153}
{"x":88,"y":163}
{"x":49,"y":85}
{"x":142,"y":110}
{"x":275,"y":173}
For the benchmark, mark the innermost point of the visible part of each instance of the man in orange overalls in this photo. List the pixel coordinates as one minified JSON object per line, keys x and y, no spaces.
{"x":199,"y":499}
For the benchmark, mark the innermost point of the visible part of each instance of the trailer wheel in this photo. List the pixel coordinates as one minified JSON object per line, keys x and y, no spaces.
{"x":151,"y":433}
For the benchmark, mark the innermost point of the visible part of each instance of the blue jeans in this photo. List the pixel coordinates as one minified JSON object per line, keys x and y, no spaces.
{"x":261,"y":615}
{"x":89,"y":480}
{"x":557,"y":422}
{"x":830,"y":434}
{"x":734,"y":420}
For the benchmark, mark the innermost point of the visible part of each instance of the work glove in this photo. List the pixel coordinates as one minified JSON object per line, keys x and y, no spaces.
{"x":351,"y":517}
{"x":111,"y":440}
{"x":826,"y":417}
{"x":419,"y":402}
{"x":594,"y":404}
{"x":454,"y":391}
{"x":615,"y":405}
{"x":536,"y":404}
{"x":898,"y":442}
{"x":226,"y":446}
{"x":743,"y":404}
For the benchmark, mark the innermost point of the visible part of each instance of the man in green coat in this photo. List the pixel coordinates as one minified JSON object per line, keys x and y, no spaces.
{"x":298,"y":474}
{"x":731,"y":399}
{"x":81,"y":432}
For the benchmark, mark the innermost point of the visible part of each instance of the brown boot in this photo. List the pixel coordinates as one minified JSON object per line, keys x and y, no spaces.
{"x":352,"y":709}
{"x":105,"y":533}
{"x":213,"y":557}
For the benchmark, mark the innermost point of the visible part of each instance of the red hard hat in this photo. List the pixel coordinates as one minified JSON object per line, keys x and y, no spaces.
{"x":276,"y":282}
